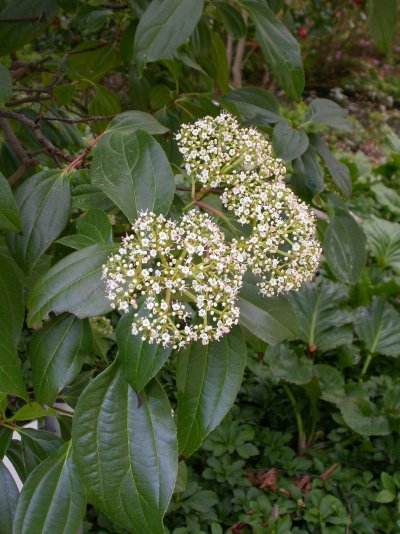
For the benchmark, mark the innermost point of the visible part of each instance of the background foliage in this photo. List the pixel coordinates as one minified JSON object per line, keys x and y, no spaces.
{"x":91,"y":94}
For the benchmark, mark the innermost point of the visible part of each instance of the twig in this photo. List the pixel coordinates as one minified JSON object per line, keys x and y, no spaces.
{"x":38,"y":18}
{"x":115,"y":6}
{"x":229,"y":49}
{"x":19,"y":69}
{"x":13,"y":141}
{"x":48,"y":145}
{"x":38,"y":98}
{"x":238,"y":62}
{"x":89,"y":118}
{"x":78,"y":160}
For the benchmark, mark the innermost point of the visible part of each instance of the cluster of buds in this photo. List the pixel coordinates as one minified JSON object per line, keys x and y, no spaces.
{"x":188,"y":274}
{"x":282,"y":249}
{"x":213,"y":148}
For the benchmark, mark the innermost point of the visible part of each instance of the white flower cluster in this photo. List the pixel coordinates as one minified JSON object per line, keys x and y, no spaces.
{"x":213,"y":148}
{"x":282,"y":248}
{"x":188,"y":274}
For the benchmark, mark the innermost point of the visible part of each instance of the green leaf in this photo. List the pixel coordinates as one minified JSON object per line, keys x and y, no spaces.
{"x":219,"y":63}
{"x":32,"y":410}
{"x":383,"y":238}
{"x":280,"y":48}
{"x":94,"y":227}
{"x":378,"y":326}
{"x":387,"y":197}
{"x":208,"y":379}
{"x":128,"y":460}
{"x":56,"y":354}
{"x":92,"y":60}
{"x":104,"y":102}
{"x":40,"y":442}
{"x":141,"y":361}
{"x":52,"y":500}
{"x":5,"y":85}
{"x":72,"y":285}
{"x":130,"y":121}
{"x":44,"y":197}
{"x":321,"y":323}
{"x":272,"y":320}
{"x":11,"y":381}
{"x":253,"y":105}
{"x":307,"y":179}
{"x":385,"y":497}
{"x":382,"y":17}
{"x":14,"y":35}
{"x":288,"y":142}
{"x":12,"y":309}
{"x":9,"y":215}
{"x":231,"y":19}
{"x":121,"y":162}
{"x":338,"y":171}
{"x":331,"y":382}
{"x":8,"y":502}
{"x":344,"y":247}
{"x":362,"y":416}
{"x":164,"y":26}
{"x":285,"y":365}
{"x":327,"y":112}
{"x":5,"y":440}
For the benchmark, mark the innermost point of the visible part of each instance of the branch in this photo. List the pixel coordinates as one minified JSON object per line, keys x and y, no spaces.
{"x":78,"y":160}
{"x":229,"y":49}
{"x":88,"y":118}
{"x":48,"y":145}
{"x":115,"y":6}
{"x":38,"y":18}
{"x":237,"y":64}
{"x":37,"y":98}
{"x":13,"y":141}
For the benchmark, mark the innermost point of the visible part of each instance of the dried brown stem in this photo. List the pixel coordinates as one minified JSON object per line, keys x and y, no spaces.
{"x":239,"y":54}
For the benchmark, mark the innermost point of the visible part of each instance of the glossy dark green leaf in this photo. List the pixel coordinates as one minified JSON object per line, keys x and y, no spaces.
{"x":56,"y":354}
{"x":121,"y":162}
{"x":12,"y":310}
{"x":32,"y":410}
{"x":253,"y":105}
{"x":42,"y":198}
{"x":321,"y":323}
{"x":104,"y":102}
{"x":72,"y":285}
{"x":363,"y":417}
{"x":52,"y":500}
{"x":208,"y":379}
{"x":41,"y":443}
{"x":8,"y":502}
{"x":14,"y":35}
{"x":383,"y":239}
{"x":128,"y":460}
{"x":272,"y":320}
{"x":231,"y":19}
{"x":378,"y":326}
{"x":327,"y":112}
{"x":288,"y":142}
{"x":141,"y":361}
{"x":344,"y":247}
{"x":164,"y":26}
{"x":219,"y":63}
{"x":280,"y":48}
{"x":94,"y":227}
{"x":130,"y":121}
{"x":308,"y":177}
{"x":339,"y":172}
{"x":382,"y":17}
{"x":5,"y":85}
{"x":9,"y":215}
{"x":11,"y":381}
{"x":5,"y":440}
{"x":285,"y":365}
{"x":93,"y":59}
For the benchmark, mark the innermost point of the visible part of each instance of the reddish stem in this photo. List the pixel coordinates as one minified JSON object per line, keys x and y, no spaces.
{"x":78,"y":160}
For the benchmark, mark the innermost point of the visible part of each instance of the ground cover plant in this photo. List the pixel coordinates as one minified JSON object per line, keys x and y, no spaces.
{"x":200,"y":267}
